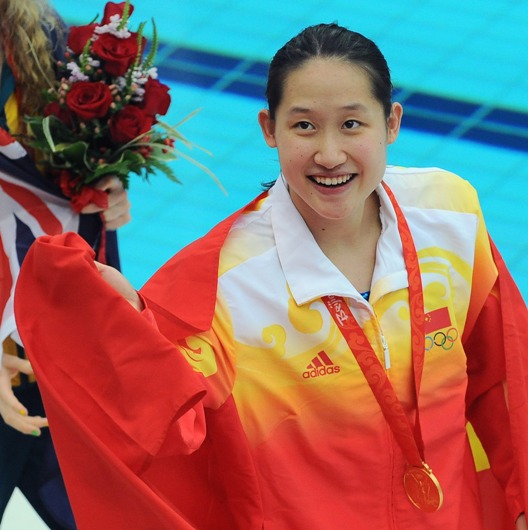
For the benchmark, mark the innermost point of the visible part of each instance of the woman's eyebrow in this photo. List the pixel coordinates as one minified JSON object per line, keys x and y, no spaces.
{"x":353,"y":107}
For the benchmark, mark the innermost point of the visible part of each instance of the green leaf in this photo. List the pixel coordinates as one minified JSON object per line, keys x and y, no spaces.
{"x":149,"y":61}
{"x":46,"y":129}
{"x":133,"y":158}
{"x":126,"y":14}
{"x":165,"y":168}
{"x":74,"y":154}
{"x":173,"y":131}
{"x":128,"y":162}
{"x":118,"y":169}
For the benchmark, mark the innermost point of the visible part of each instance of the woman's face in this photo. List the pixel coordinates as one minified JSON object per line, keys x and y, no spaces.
{"x":331,"y":135}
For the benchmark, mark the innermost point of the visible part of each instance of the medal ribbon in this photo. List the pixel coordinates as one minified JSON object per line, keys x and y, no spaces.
{"x":409,"y":438}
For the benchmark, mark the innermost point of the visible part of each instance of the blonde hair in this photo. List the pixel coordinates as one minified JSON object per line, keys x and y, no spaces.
{"x":24,"y":29}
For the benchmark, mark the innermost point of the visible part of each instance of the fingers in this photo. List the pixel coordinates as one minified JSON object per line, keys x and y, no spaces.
{"x":118,"y":212}
{"x":14,"y":364}
{"x":30,"y":425}
{"x":109,"y":183}
{"x":13,"y":412}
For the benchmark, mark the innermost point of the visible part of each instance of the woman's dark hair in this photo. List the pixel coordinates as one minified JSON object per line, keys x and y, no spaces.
{"x":329,"y":40}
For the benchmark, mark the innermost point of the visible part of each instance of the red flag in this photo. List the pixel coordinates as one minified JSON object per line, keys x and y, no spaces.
{"x":437,"y":319}
{"x":125,"y":408}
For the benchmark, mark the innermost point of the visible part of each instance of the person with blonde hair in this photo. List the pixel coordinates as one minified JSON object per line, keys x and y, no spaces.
{"x":32,"y":37}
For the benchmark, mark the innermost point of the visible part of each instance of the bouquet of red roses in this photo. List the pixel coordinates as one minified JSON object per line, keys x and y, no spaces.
{"x":103,"y":112}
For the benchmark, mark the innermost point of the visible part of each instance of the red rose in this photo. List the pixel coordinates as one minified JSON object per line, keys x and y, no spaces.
{"x":117,"y":54}
{"x":89,"y":100}
{"x":156,"y":99}
{"x":111,"y":8}
{"x":129,"y":123}
{"x":79,"y":36}
{"x":68,"y":183}
{"x":54,"y":109}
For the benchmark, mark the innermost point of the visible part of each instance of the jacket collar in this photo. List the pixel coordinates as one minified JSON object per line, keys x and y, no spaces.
{"x":319,"y":276}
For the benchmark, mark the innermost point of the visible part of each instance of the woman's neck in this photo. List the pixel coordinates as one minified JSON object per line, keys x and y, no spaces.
{"x":351,"y":244}
{"x":349,"y":231}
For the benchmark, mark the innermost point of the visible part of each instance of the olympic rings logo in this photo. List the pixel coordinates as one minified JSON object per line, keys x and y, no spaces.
{"x":441,"y":339}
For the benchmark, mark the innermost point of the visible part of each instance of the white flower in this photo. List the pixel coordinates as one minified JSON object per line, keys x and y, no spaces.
{"x":94,"y":63}
{"x":76,"y":74}
{"x":112,"y":26}
{"x":138,"y":94}
{"x":139,"y":76}
{"x":153,"y":72}
{"x":120,"y":82}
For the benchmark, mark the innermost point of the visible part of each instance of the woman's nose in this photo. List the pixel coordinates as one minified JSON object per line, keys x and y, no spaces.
{"x":330,"y":152}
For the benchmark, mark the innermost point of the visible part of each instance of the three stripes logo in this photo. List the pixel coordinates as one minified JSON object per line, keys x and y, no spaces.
{"x":321,"y":365}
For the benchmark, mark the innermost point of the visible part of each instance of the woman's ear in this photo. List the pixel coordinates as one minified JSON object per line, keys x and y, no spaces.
{"x":268,"y":127}
{"x":394,"y":122}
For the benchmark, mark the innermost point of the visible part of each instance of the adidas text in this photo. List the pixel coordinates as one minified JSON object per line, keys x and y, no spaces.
{"x":323,"y":370}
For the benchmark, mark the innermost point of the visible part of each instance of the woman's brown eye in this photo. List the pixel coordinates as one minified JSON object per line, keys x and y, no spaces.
{"x":351,"y":124}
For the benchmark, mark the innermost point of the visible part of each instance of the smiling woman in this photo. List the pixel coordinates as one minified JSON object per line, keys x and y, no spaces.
{"x":291,"y":360}
{"x":332,"y":150}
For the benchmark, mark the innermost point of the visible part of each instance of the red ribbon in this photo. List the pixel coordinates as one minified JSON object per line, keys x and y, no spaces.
{"x":409,"y":438}
{"x":87,"y":195}
{"x":81,"y":196}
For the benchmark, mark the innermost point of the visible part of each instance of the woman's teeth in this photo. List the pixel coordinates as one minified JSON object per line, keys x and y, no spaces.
{"x":333,"y":181}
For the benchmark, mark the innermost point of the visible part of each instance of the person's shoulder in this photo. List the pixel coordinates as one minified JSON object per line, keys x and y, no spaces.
{"x":431,"y":187}
{"x":424,"y":177}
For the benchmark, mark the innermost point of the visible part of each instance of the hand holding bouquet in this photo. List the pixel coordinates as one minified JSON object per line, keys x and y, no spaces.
{"x":103,"y":112}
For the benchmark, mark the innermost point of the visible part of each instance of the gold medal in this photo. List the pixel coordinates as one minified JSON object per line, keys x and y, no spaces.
{"x":423,"y":488}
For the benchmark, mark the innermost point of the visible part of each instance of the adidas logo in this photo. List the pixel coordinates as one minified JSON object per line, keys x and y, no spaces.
{"x":321,"y":365}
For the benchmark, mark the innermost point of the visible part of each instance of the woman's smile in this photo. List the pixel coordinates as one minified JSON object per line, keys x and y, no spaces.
{"x":332,"y":181}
